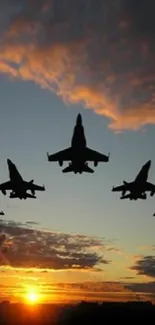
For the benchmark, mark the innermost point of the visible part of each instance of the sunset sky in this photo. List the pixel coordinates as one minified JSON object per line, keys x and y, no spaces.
{"x":78,"y":240}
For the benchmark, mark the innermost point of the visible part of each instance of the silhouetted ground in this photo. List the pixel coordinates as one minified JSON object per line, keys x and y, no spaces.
{"x":83,"y":313}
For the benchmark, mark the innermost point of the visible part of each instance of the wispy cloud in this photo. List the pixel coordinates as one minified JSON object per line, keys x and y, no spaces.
{"x":25,"y":247}
{"x":32,"y":223}
{"x":97,"y":52}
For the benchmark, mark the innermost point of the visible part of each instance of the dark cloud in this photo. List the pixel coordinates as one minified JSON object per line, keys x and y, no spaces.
{"x":134,"y":290}
{"x":148,"y":287}
{"x":141,"y":15}
{"x":145,"y":266}
{"x":26,"y":247}
{"x":100,"y":53}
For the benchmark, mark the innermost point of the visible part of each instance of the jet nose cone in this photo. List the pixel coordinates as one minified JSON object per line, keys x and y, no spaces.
{"x":79,"y":119}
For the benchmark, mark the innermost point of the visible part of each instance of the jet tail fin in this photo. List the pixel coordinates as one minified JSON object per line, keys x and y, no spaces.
{"x":128,"y":196}
{"x":30,"y":196}
{"x":67,"y":169}
{"x":87,"y":169}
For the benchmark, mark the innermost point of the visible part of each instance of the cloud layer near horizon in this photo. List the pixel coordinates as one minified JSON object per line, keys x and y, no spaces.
{"x":25,"y":247}
{"x":69,"y":291}
{"x":30,"y":254}
{"x":100,"y":53}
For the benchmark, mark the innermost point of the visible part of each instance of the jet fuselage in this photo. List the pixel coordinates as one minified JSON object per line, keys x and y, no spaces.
{"x":78,"y":166}
{"x":78,"y":145}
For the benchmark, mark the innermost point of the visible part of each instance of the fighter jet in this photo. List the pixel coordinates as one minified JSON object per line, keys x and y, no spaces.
{"x":78,"y":154}
{"x":138,"y":187}
{"x":2,"y":213}
{"x":17,"y":185}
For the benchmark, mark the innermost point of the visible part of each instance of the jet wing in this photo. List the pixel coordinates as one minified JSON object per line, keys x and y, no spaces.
{"x":6,"y":186}
{"x":118,"y":188}
{"x":63,"y":155}
{"x":92,"y":155}
{"x":150,"y":187}
{"x":34,"y":187}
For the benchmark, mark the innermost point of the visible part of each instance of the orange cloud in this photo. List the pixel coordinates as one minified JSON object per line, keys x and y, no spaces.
{"x":90,"y":52}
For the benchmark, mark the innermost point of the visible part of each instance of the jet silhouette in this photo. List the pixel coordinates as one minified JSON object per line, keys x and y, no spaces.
{"x":138,"y":187}
{"x":19,"y":186}
{"x":2,"y":213}
{"x":78,"y":154}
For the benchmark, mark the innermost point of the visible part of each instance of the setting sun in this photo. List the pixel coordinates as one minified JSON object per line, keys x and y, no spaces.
{"x":32,"y":296}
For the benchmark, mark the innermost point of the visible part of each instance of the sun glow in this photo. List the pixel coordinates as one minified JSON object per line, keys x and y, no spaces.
{"x":32,"y":296}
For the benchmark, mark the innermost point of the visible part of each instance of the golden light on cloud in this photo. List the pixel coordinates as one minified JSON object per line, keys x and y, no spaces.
{"x":73,"y":62}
